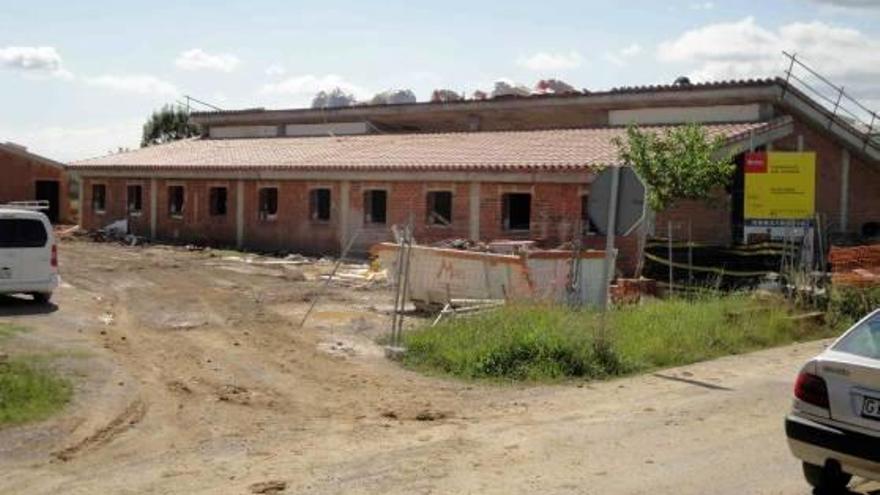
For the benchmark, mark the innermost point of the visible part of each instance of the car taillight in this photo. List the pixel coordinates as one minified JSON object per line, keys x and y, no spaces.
{"x":54,"y":260}
{"x":812,"y":390}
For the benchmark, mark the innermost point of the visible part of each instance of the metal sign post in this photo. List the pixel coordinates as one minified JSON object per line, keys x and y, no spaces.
{"x":611,"y":233}
{"x":617,"y":206}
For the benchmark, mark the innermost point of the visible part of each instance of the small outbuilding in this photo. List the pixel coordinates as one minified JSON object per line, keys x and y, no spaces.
{"x":25,"y":176}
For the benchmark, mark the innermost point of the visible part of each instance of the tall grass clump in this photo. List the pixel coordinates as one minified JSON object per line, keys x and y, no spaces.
{"x":681,"y":331}
{"x":547,"y":342}
{"x":846,"y":305}
{"x":519,"y":342}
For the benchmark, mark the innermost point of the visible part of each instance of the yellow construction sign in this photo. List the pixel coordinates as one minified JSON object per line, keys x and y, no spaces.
{"x":780,"y":185}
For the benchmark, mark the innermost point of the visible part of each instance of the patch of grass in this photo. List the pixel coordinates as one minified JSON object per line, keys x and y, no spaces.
{"x":29,"y":391}
{"x":540,"y":343}
{"x":8,"y":330}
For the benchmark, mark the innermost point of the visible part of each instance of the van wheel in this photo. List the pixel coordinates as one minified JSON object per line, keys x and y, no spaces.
{"x":827,"y":479}
{"x":42,"y":297}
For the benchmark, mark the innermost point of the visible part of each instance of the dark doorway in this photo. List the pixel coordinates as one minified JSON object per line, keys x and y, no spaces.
{"x":375,"y":206}
{"x":516,"y":211}
{"x":48,"y":190}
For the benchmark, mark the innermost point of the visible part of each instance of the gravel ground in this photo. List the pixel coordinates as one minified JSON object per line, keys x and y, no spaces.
{"x":193,"y":376}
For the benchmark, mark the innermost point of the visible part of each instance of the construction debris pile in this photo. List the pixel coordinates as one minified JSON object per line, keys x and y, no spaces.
{"x":499,"y":246}
{"x":554,"y":87}
{"x":394,"y":97}
{"x":502,"y":88}
{"x":445,"y":96}
{"x":296,"y":267}
{"x":857,"y":266}
{"x":334,"y":98}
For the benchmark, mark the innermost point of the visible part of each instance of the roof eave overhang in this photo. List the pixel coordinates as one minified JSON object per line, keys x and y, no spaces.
{"x":780,"y":128}
{"x":584,"y":174}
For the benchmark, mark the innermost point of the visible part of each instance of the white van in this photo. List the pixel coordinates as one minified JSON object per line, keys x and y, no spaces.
{"x":28,"y":254}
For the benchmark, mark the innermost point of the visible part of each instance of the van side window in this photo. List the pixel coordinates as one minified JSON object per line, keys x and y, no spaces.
{"x":22,"y":233}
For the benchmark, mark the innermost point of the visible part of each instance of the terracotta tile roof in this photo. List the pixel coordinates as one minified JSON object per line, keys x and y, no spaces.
{"x":549,"y":150}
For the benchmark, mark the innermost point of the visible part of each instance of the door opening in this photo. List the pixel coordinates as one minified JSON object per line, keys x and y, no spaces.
{"x":48,"y":190}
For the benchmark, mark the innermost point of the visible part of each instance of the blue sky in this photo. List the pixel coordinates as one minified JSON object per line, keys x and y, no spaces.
{"x":78,"y":78}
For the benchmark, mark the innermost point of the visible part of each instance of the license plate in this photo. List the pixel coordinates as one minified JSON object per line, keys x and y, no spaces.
{"x":871,"y":408}
{"x":5,"y":273}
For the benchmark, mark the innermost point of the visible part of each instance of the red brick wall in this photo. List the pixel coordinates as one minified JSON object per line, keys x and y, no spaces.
{"x":864,"y":194}
{"x":195,"y":224}
{"x":555,"y":214}
{"x":292,"y":229}
{"x":18,"y":176}
{"x":710,"y":221}
{"x":555,"y":209}
{"x":116,"y":205}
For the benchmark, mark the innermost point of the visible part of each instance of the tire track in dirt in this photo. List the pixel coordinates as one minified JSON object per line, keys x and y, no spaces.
{"x":127,"y":419}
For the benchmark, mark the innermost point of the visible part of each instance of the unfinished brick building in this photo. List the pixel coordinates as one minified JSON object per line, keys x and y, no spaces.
{"x":25,"y":176}
{"x":514,"y":168}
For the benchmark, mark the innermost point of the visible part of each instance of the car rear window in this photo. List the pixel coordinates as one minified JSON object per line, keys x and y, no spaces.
{"x":22,"y":233}
{"x":863,"y":340}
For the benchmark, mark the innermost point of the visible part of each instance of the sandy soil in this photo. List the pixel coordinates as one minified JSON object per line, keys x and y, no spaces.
{"x":193,"y":376}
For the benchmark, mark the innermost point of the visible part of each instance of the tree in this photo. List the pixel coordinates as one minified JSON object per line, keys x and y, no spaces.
{"x":167,"y":124}
{"x":683,"y":162}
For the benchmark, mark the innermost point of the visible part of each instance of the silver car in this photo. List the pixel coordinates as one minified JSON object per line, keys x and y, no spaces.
{"x":834,"y":424}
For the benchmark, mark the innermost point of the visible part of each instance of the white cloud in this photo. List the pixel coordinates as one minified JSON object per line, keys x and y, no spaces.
{"x":309,"y":84}
{"x":42,"y":60}
{"x":77,"y":142}
{"x":851,"y":3}
{"x":198,"y":59}
{"x":139,"y":84}
{"x":275,"y":70}
{"x":702,"y":6}
{"x":746,"y":49}
{"x":620,"y":57}
{"x":544,"y":61}
{"x":632,"y":50}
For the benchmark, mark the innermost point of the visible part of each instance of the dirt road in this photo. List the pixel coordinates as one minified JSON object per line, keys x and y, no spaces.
{"x":192,"y":376}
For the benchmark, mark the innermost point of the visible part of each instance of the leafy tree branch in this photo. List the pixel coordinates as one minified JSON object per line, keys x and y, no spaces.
{"x":682,"y":162}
